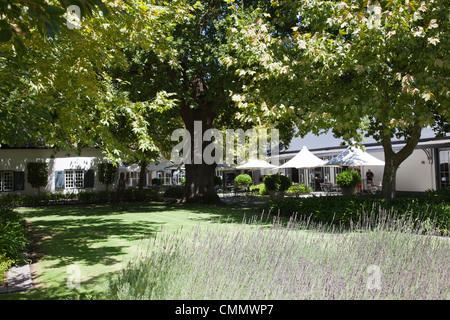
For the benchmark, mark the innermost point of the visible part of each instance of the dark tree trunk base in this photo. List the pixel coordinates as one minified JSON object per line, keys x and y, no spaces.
{"x":200,"y":185}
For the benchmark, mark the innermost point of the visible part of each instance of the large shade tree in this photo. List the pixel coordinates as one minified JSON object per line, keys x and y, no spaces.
{"x":123,"y":81}
{"x":183,"y":58}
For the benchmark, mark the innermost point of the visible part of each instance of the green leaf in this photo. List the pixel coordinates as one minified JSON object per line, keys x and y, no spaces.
{"x":5,"y":31}
{"x":19,"y":46}
{"x":54,"y":10}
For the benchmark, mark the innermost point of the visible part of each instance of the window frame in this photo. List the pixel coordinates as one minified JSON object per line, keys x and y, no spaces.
{"x":76,"y":179}
{"x":2,"y":180}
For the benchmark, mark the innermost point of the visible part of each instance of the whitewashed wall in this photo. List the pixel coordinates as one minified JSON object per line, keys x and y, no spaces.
{"x":415,"y":174}
{"x":17,"y":159}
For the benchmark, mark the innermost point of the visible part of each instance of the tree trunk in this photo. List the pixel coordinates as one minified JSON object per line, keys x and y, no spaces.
{"x":142,"y":173}
{"x":200,"y":184}
{"x":394,"y":159}
{"x":389,"y":179}
{"x":199,"y":176}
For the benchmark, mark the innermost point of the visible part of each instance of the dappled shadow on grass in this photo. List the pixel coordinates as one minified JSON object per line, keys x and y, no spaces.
{"x":83,"y":233}
{"x":87,"y":240}
{"x":233,"y":213}
{"x":97,"y":210}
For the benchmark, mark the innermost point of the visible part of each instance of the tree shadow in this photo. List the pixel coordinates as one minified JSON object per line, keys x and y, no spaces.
{"x":96,"y":236}
{"x":86,"y":240}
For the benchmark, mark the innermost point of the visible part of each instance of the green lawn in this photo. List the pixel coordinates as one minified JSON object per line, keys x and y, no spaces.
{"x":100,"y":241}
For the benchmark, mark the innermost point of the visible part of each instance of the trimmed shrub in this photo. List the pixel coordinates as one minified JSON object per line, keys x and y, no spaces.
{"x":347,"y":209}
{"x":131,"y":194}
{"x":260,"y":188}
{"x":300,"y":189}
{"x":277,"y":182}
{"x":37,"y":174}
{"x":136,"y":194}
{"x":243,"y":180}
{"x":105,"y":196}
{"x":348,"y":179}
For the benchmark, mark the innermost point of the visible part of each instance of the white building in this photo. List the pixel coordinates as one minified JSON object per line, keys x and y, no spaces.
{"x":427,"y":168}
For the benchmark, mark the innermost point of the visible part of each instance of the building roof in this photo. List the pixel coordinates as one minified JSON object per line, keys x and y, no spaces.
{"x":327,"y":140}
{"x":326,"y":144}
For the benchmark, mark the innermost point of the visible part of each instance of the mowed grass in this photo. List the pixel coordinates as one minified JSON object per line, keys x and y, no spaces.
{"x":94,"y":242}
{"x":171,"y":251}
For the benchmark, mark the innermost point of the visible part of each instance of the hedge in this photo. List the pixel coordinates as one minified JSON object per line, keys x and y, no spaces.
{"x":130,"y":195}
{"x":346,"y":209}
{"x":13,"y":239}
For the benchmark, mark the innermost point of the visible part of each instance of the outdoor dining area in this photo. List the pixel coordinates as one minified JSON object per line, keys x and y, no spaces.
{"x":352,"y":158}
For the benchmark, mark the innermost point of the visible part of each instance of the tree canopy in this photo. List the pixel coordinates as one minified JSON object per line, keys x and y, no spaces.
{"x":125,"y":81}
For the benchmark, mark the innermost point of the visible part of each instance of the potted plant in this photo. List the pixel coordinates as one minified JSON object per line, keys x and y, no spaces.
{"x":348,"y":181}
{"x":243,"y":181}
{"x":276,"y":185}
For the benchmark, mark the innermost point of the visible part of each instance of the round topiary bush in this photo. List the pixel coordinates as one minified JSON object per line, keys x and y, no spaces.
{"x":347,"y":181}
{"x":277,"y":182}
{"x":243,"y":180}
{"x":276,"y":185}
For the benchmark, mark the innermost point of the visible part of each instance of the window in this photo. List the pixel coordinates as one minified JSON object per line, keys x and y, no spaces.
{"x":134,"y":178}
{"x":444,"y":170}
{"x":74,"y":179}
{"x":179,"y":175}
{"x":165,"y":176}
{"x":6,"y":181}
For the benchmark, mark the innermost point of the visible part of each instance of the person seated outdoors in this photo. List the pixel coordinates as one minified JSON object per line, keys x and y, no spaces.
{"x":369,"y":177}
{"x":317,"y":182}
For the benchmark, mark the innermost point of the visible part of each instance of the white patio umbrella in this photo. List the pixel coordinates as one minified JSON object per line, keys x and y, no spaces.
{"x":255,"y":164}
{"x":304,"y":159}
{"x":354,"y":158}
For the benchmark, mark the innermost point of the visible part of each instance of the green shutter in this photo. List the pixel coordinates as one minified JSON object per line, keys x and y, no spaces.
{"x":89,"y":178}
{"x":59,"y":180}
{"x":19,"y":180}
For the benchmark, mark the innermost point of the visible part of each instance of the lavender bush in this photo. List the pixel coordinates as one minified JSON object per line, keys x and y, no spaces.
{"x":383,"y":259}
